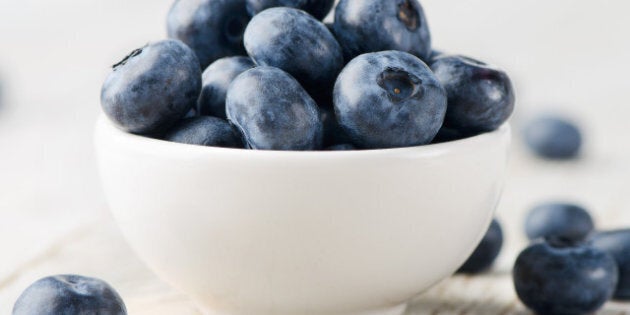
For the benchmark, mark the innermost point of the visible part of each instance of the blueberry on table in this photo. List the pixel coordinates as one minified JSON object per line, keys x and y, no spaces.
{"x":564,"y":220}
{"x":317,"y":8}
{"x":553,"y":138}
{"x":389,"y":99}
{"x":69,"y":295}
{"x":273,"y":111}
{"x":377,"y":25}
{"x":560,"y":277}
{"x":480,"y":96}
{"x":297,"y":43}
{"x":152,"y":88}
{"x":215,"y":81}
{"x":617,"y":244}
{"x":206,"y":131}
{"x":212,"y":28}
{"x":486,"y":252}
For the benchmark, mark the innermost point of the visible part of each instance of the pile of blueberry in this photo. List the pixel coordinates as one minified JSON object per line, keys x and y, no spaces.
{"x":277,"y":78}
{"x":569,"y":267}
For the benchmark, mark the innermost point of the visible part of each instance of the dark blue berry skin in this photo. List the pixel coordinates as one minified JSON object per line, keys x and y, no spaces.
{"x":376,"y":25}
{"x":448,"y":134}
{"x":435,"y":54}
{"x":317,"y":8}
{"x":212,"y":28}
{"x":333,"y":132}
{"x":215,"y":81}
{"x":152,"y":88}
{"x":564,"y":220}
{"x":206,"y":131}
{"x":553,"y":138}
{"x":273,"y":111}
{"x":69,"y":295}
{"x":297,"y":43}
{"x":564,"y":279}
{"x":617,"y":244}
{"x":486,"y":252}
{"x":341,"y":147}
{"x":389,"y":99}
{"x":480,"y":96}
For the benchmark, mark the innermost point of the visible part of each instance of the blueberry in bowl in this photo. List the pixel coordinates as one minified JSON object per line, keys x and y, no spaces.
{"x":215,"y":82}
{"x":212,"y":28}
{"x":480,"y":96}
{"x":69,"y":295}
{"x":207,"y":131}
{"x":389,"y":99}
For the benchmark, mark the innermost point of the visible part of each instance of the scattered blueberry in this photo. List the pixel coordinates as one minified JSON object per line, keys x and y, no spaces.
{"x":207,"y":131}
{"x":273,"y":111}
{"x":480,"y":96}
{"x":297,"y":43}
{"x":564,"y":220}
{"x":69,"y":295}
{"x":389,"y":99}
{"x":333,"y":132}
{"x":486,"y":252}
{"x":152,"y":88}
{"x":377,"y":25}
{"x":215,"y":81}
{"x":212,"y":28}
{"x":561,"y":277}
{"x":317,"y":8}
{"x":553,"y":138}
{"x":341,"y":147}
{"x":617,"y":244}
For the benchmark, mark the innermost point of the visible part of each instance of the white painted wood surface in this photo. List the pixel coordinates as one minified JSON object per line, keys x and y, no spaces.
{"x":565,"y":55}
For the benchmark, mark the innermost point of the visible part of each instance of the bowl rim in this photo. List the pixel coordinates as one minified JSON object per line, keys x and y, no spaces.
{"x":104,"y":127}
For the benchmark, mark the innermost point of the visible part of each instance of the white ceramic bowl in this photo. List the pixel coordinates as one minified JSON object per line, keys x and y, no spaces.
{"x":319,"y":233}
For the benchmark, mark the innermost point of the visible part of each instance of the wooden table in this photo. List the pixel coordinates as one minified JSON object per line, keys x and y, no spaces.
{"x":53,"y":216}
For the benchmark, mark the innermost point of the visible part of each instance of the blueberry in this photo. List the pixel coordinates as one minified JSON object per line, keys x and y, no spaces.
{"x":317,"y":8}
{"x":215,"y":81}
{"x":486,"y":252}
{"x":206,"y":130}
{"x":377,"y":25}
{"x":273,"y":111}
{"x":152,"y":88}
{"x":559,"y":277}
{"x":480,"y":96}
{"x":69,"y":295}
{"x":212,"y":28}
{"x":553,"y":138}
{"x":447,"y":134}
{"x":617,"y":244}
{"x":389,"y":99}
{"x":341,"y":147}
{"x":297,"y":43}
{"x":333,"y":132}
{"x":435,"y":54}
{"x":560,"y":220}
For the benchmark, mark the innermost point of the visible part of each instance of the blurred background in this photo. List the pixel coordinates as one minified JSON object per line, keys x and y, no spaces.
{"x":564,"y":56}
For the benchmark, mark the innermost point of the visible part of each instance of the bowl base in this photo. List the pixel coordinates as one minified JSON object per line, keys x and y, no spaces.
{"x":395,"y":310}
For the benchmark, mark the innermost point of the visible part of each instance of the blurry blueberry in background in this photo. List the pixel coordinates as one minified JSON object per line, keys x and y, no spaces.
{"x":389,"y":99}
{"x":617,"y":243}
{"x":298,"y":44}
{"x":341,"y":147}
{"x":560,"y":220}
{"x":480,"y":96}
{"x":206,"y":131}
{"x":273,"y":111}
{"x":152,"y":88}
{"x":486,"y":252}
{"x":317,"y":8}
{"x":212,"y":28}
{"x":215,"y":81}
{"x":561,"y":277}
{"x":376,"y":25}
{"x":553,"y":137}
{"x":69,"y":295}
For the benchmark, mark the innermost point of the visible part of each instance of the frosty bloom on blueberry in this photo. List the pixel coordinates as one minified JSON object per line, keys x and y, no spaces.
{"x":317,"y":8}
